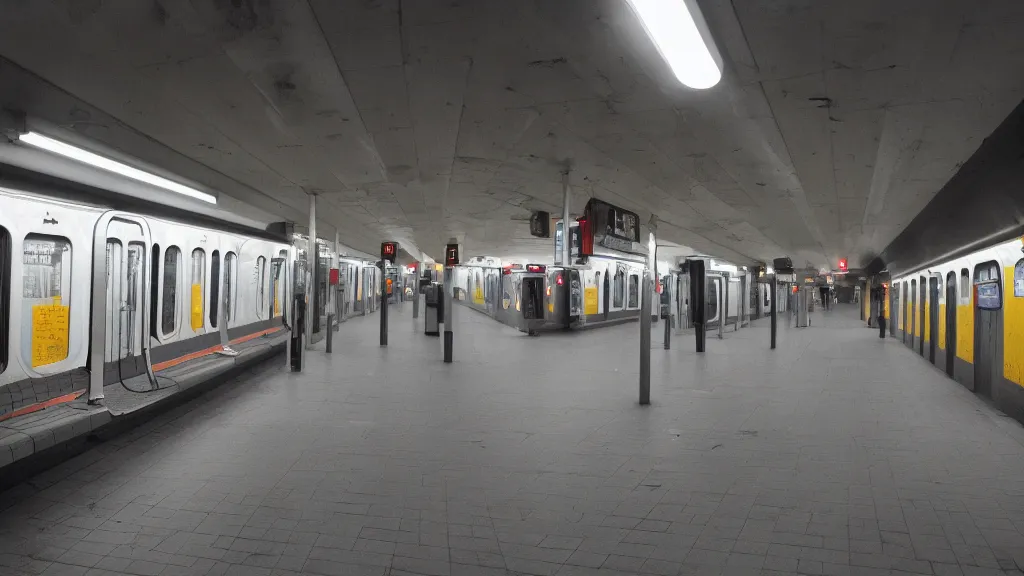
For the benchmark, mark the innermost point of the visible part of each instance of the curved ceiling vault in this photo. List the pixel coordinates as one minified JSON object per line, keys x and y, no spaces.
{"x":420,"y":121}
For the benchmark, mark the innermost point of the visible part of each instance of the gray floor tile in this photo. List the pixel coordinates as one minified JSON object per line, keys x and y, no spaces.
{"x":838,"y":453}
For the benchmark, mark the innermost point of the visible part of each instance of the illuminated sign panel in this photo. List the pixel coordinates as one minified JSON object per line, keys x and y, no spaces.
{"x":451,"y":255}
{"x":388,"y":251}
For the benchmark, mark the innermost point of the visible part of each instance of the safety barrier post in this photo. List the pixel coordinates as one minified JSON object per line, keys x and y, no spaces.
{"x":383,"y":305}
{"x":449,"y":312}
{"x":645,"y":341}
{"x":330,"y":332}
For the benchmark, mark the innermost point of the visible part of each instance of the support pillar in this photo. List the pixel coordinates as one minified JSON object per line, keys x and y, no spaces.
{"x":383,"y":304}
{"x":774,"y":289}
{"x":312,"y":263}
{"x":337,"y":304}
{"x":671,"y":288}
{"x":698,"y":303}
{"x":566,"y":235}
{"x":416,"y":291}
{"x":449,"y":312}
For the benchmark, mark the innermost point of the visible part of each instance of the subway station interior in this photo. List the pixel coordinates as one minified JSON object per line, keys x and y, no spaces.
{"x":511,"y":287}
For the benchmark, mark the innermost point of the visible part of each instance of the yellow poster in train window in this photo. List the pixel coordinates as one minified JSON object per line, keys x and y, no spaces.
{"x":50,"y":333}
{"x":478,"y":295}
{"x":197,"y":306}
{"x":590,"y":300}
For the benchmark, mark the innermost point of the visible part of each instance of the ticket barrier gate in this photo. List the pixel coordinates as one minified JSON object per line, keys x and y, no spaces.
{"x":532,"y":304}
{"x":434,"y":309}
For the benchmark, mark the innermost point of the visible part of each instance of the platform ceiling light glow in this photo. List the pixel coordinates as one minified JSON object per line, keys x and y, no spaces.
{"x":681,"y":35}
{"x":86,"y":157}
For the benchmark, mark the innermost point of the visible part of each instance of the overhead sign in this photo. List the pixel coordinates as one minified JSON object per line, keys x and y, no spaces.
{"x":451,"y":255}
{"x":388,"y":251}
{"x":842,"y":265}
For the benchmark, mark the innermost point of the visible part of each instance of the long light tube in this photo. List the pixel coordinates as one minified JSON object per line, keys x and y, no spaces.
{"x":75,"y":153}
{"x":681,"y":35}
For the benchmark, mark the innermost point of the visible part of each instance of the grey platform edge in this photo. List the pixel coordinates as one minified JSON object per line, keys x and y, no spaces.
{"x":30,"y":434}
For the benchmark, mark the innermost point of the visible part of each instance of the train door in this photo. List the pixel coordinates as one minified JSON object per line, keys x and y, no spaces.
{"x":126,"y":318}
{"x":905,"y":299}
{"x":922,"y":326}
{"x":988,"y":327}
{"x":575,"y":295}
{"x":912,"y":315}
{"x":277,"y":285}
{"x":893,"y":290}
{"x":951,"y":303}
{"x":933,"y":317}
{"x":607,"y":289}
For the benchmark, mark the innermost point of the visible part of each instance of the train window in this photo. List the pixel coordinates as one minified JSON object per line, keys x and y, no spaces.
{"x":965,"y":287}
{"x":196,"y":295}
{"x":618,"y":288}
{"x":154,"y":284}
{"x":214,"y":287}
{"x":169,"y":294}
{"x":985,"y":272}
{"x":230,"y":272}
{"x":261,"y":281}
{"x":46,"y":297}
{"x":634,"y":291}
{"x":5,"y":295}
{"x":276,"y":285}
{"x":279,"y":294}
{"x":1018,"y":279}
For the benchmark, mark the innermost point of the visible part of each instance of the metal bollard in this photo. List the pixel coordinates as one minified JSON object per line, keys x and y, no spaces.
{"x":775,"y":306}
{"x":330,"y":331}
{"x":383,"y":311}
{"x":645,"y":341}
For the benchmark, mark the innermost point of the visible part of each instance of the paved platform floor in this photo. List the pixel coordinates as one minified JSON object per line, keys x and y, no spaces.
{"x":838,"y":453}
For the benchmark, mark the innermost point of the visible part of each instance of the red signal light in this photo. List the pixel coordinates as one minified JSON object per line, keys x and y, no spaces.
{"x":559,"y":280}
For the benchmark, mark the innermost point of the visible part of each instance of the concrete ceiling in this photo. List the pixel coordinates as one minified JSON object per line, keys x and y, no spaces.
{"x":423,"y":120}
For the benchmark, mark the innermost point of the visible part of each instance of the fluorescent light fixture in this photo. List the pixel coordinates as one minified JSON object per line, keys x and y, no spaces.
{"x":86,"y":157}
{"x":681,"y":35}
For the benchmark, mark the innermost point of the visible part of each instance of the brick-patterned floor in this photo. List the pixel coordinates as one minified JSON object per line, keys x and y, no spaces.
{"x":838,"y":453}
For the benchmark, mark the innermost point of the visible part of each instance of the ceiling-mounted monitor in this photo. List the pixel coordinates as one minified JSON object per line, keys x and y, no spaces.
{"x":540,"y":224}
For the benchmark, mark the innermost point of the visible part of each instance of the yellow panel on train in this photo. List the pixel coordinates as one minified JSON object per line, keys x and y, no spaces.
{"x":1013,"y":331}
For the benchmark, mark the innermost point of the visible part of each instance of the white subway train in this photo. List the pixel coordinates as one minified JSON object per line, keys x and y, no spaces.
{"x":604,"y":291}
{"x":118,"y":308}
{"x":966,"y":316}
